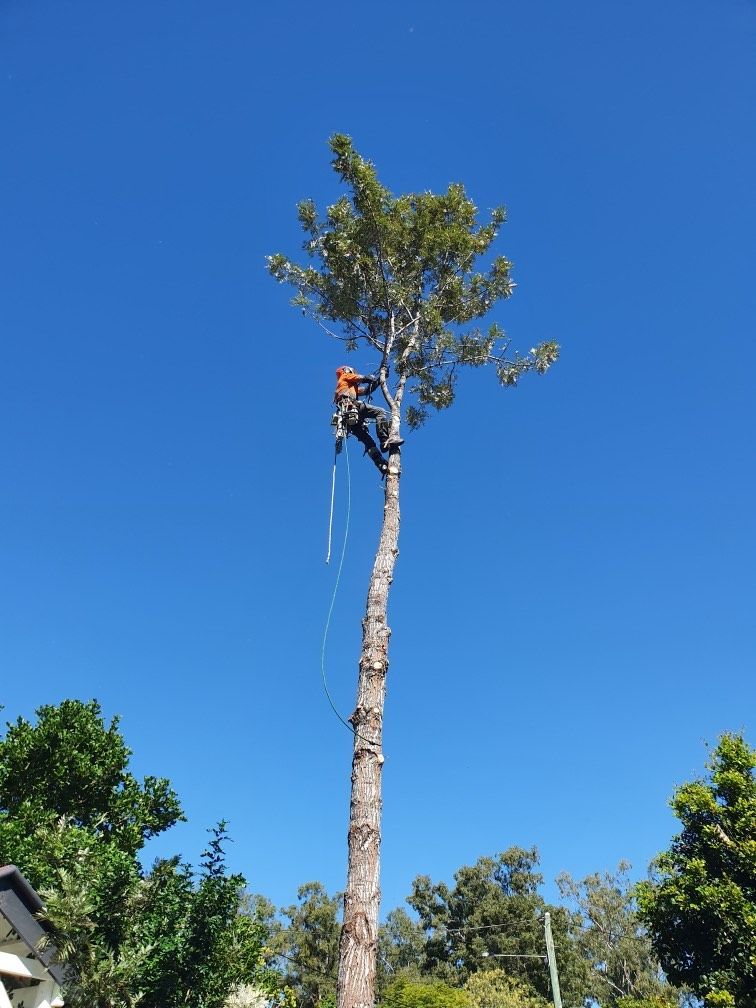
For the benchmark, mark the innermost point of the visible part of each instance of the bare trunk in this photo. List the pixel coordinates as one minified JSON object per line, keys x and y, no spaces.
{"x":359,"y":933}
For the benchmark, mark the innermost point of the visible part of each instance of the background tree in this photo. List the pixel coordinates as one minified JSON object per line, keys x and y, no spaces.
{"x":406,"y":277}
{"x":101,"y":975}
{"x":613,"y":940}
{"x":222,"y":948}
{"x":310,"y":945}
{"x":495,"y":988}
{"x":180,"y":942}
{"x":65,"y":787}
{"x":405,"y":993}
{"x":74,"y":820}
{"x":494,"y":908}
{"x":401,"y":948}
{"x":700,"y":902}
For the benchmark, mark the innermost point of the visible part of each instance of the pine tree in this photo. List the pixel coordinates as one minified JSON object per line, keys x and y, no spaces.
{"x":399,"y":275}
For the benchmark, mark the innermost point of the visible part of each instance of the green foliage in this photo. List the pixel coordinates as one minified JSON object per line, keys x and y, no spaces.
{"x":69,"y":764}
{"x":407,"y":276}
{"x":179,"y":943}
{"x":401,"y":948}
{"x":73,"y":818}
{"x":167,"y":894}
{"x":404,"y":993}
{"x":700,"y":903}
{"x":67,"y":798}
{"x":612,"y":939}
{"x":494,"y":988}
{"x":495,"y":908}
{"x":99,"y":974}
{"x":719,"y":999}
{"x":309,"y":946}
{"x":221,"y":947}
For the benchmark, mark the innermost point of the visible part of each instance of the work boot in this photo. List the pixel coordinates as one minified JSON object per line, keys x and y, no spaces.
{"x":378,"y":460}
{"x":392,"y":442}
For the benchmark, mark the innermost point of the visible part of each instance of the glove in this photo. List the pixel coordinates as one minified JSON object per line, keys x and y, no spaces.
{"x":372,"y":379}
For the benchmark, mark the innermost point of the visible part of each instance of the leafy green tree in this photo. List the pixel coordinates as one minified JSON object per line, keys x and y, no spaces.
{"x":74,"y":819}
{"x":221,"y":947}
{"x":407,"y":278}
{"x":404,"y":993}
{"x":65,"y":787}
{"x":70,"y":764}
{"x":494,"y":908}
{"x":700,"y":902}
{"x":495,"y":988}
{"x":401,"y":948}
{"x":181,"y":943}
{"x":613,"y":940}
{"x":99,"y":974}
{"x":167,"y":893}
{"x":309,"y":946}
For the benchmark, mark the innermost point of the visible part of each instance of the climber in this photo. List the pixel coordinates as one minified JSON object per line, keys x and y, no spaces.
{"x":349,"y":387}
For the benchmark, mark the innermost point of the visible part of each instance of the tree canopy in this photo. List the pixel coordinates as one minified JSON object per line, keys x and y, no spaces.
{"x":495,"y":988}
{"x":404,"y":993}
{"x":612,"y":938}
{"x":408,"y":276}
{"x":73,"y":818}
{"x":495,"y":908}
{"x":700,"y":902}
{"x":309,"y":945}
{"x":401,"y":947}
{"x":65,"y":789}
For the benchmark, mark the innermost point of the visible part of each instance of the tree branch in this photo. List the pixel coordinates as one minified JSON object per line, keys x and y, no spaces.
{"x":723,"y":836}
{"x":383,"y":371}
{"x":333,"y":335}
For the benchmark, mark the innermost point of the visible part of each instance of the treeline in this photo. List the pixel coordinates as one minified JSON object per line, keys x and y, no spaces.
{"x":75,"y":821}
{"x":480,"y":942}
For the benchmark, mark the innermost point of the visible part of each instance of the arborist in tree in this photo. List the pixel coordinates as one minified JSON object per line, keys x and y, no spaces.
{"x":350,"y":386}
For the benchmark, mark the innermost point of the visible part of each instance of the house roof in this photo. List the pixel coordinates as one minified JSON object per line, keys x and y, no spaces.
{"x":19,"y":905}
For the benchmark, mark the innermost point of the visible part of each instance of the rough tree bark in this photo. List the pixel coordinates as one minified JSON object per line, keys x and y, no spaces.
{"x":359,"y":933}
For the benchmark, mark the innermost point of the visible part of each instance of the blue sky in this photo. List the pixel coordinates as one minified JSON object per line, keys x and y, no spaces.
{"x":573,"y":605}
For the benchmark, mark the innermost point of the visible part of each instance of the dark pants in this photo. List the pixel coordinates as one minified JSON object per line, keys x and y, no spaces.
{"x":369,"y":412}
{"x":366,"y":411}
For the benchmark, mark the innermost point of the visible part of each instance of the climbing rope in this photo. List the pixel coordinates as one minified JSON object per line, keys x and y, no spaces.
{"x":338,"y":577}
{"x":330,"y":516}
{"x":336,"y":589}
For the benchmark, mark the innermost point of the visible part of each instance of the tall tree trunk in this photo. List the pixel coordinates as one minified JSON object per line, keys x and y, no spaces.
{"x":359,"y":934}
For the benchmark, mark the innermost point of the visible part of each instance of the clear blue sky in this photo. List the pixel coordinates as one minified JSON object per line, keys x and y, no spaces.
{"x":573,"y":607}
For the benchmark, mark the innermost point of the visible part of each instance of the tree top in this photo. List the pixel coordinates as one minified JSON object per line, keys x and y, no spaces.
{"x":409,"y":276}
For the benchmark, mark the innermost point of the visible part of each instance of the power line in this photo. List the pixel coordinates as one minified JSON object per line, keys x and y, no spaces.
{"x":510,"y":925}
{"x":301,"y":965}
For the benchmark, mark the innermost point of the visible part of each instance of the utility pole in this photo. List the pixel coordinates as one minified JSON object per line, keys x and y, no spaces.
{"x":551,"y":957}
